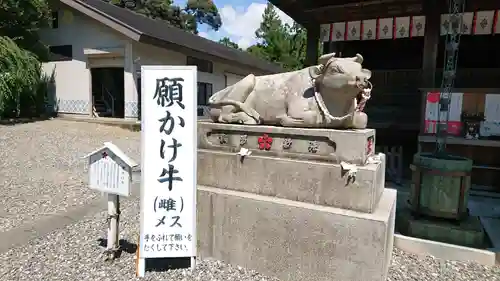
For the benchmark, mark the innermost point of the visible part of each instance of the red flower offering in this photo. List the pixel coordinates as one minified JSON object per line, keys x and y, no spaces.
{"x":265,"y":142}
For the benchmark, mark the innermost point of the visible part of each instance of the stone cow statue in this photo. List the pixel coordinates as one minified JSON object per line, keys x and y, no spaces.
{"x":329,"y":95}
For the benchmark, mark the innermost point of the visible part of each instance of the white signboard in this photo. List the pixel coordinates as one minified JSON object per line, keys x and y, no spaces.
{"x":110,"y":170}
{"x":492,"y":107}
{"x":432,"y":107}
{"x":168,"y":187}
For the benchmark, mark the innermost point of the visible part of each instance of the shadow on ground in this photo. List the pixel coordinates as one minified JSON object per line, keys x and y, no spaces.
{"x":157,"y":264}
{"x":125,"y":246}
{"x":17,"y":121}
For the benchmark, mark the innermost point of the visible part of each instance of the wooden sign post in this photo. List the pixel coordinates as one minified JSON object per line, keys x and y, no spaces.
{"x":169,"y":144}
{"x":110,"y":171}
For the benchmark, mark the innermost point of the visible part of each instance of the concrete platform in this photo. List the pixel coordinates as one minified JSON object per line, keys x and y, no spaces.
{"x":294,"y":240}
{"x":299,"y":180}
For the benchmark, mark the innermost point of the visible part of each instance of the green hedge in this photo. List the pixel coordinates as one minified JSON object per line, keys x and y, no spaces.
{"x":23,"y":86}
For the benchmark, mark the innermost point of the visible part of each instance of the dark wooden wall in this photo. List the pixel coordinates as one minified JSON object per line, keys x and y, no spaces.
{"x":395,"y":107}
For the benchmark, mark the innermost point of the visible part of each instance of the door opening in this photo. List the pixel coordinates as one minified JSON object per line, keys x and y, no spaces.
{"x":108,"y":92}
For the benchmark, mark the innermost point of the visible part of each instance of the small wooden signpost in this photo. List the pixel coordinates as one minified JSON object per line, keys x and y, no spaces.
{"x":168,"y":181}
{"x":110,"y":171}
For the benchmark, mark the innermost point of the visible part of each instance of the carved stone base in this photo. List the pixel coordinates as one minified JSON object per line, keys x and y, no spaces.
{"x":326,"y":145}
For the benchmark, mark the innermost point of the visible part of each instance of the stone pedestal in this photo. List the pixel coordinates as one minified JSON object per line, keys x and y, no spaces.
{"x":289,"y":210}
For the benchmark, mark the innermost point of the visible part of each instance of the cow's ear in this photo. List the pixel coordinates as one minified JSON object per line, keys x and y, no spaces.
{"x":367,"y":74}
{"x":315,"y":71}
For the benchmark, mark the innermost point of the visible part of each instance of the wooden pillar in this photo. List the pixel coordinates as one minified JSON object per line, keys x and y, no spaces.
{"x":432,"y":14}
{"x":312,"y":46}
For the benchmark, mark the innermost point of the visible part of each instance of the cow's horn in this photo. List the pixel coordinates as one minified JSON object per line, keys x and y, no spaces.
{"x":359,"y":58}
{"x":325,"y":58}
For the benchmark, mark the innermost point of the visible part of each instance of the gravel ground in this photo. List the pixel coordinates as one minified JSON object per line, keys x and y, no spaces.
{"x":41,"y":170}
{"x":74,"y":253}
{"x":42,"y":174}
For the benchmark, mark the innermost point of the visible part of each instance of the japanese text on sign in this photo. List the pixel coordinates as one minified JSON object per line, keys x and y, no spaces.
{"x":169,"y":157}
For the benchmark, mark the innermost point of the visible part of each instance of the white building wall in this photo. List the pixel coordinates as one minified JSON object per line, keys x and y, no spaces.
{"x":72,"y":78}
{"x":90,"y":40}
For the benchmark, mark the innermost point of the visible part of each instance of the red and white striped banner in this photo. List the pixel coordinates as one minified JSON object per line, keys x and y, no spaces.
{"x":477,"y":23}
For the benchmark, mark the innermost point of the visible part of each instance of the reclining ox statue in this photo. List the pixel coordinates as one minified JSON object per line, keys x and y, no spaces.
{"x":329,"y":95}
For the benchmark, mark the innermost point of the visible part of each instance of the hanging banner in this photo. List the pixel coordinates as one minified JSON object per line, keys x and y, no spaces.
{"x":338,"y":31}
{"x":402,"y":27}
{"x":484,"y":22}
{"x":432,"y":112}
{"x":445,"y":24}
{"x":385,"y":28}
{"x":369,"y":29}
{"x":354,"y":29}
{"x":418,"y":26}
{"x":324,"y":32}
{"x":467,"y":19}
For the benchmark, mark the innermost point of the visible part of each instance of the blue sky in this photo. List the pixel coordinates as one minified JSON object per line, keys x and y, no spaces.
{"x":240,"y":19}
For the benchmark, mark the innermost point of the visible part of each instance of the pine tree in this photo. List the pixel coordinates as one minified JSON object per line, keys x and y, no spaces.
{"x":228,"y":43}
{"x":187,"y":18}
{"x":278,"y":42}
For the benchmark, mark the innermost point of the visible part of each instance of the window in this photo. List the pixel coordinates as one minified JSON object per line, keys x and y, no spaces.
{"x":203,"y":65}
{"x":55,"y":19}
{"x":204,"y":93}
{"x":61,"y":53}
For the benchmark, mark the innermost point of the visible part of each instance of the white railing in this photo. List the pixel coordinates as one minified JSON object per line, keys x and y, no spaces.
{"x":204,"y":110}
{"x":112,"y":98}
{"x":394,"y":162}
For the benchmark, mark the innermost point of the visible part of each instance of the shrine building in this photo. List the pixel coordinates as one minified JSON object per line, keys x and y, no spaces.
{"x":402,"y":42}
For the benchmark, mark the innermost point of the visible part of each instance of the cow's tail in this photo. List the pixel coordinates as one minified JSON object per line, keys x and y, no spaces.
{"x":239,"y":105}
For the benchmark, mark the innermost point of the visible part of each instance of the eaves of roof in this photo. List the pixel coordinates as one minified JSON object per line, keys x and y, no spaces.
{"x":158,"y":33}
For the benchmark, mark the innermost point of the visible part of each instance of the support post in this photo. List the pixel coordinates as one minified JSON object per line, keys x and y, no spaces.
{"x":312,"y":48}
{"x":141,"y":265}
{"x":193,"y":263}
{"x":113,"y":226}
{"x":432,"y":12}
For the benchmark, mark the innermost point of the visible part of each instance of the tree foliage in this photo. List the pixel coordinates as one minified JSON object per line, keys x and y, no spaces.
{"x":21,"y":20}
{"x":21,"y":81}
{"x":23,"y":88}
{"x":228,"y":43}
{"x":278,"y":42}
{"x":187,"y":18}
